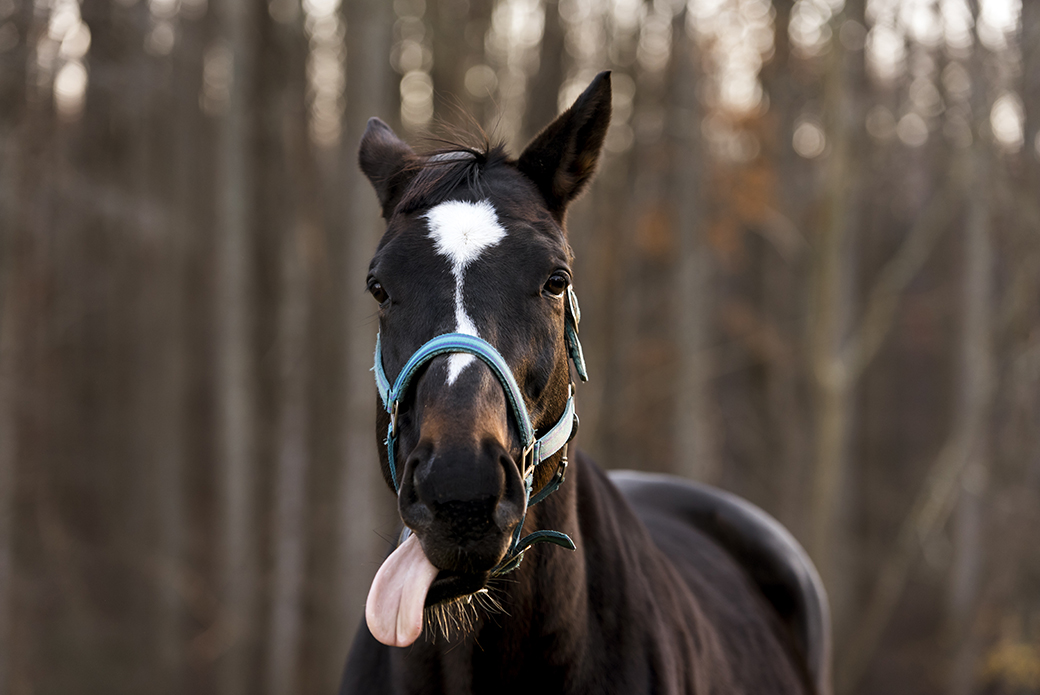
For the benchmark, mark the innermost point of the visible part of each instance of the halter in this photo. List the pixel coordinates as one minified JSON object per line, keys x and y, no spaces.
{"x":535,"y":450}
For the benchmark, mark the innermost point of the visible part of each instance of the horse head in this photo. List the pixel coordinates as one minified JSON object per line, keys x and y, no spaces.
{"x":474,"y":256}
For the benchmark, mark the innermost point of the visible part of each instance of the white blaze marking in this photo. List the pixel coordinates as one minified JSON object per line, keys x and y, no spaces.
{"x":461,"y":231}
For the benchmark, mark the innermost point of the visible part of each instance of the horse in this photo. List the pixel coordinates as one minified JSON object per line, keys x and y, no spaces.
{"x":519,"y":569}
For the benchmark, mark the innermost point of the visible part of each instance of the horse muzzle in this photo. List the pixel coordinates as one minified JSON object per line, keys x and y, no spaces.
{"x":463,"y":503}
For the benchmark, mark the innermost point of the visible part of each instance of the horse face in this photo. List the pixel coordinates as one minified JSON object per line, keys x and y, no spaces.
{"x":495,"y":264}
{"x":474,"y":244}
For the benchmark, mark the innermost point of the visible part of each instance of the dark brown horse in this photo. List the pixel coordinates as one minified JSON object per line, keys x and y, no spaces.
{"x":662,"y":586}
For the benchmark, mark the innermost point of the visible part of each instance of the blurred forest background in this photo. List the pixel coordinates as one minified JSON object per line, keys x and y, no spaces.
{"x":809,"y":270}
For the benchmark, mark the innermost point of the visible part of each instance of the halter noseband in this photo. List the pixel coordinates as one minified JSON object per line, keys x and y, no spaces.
{"x":535,"y":450}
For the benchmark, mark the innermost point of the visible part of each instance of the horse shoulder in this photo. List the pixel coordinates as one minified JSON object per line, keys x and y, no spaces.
{"x":765,"y":551}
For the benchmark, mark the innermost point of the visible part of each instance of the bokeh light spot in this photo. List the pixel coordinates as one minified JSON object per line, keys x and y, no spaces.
{"x":481,"y":81}
{"x":70,"y":89}
{"x":1007,"y":119}
{"x":809,"y":140}
{"x":912,"y":130}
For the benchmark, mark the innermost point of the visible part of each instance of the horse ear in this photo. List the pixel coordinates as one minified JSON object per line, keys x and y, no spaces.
{"x":562,"y":158}
{"x":385,"y":160}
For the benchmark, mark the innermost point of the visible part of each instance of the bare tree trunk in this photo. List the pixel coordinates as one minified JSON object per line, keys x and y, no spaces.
{"x":13,"y":80}
{"x":694,"y":448}
{"x":543,"y":95}
{"x":781,"y":285}
{"x":976,"y":371}
{"x":1030,"y":43}
{"x":293,"y":218}
{"x":289,"y":531}
{"x":163,"y":382}
{"x":449,"y":26}
{"x":236,"y":387}
{"x":182,"y":158}
{"x":360,"y":485}
{"x":831,"y":291}
{"x":9,"y":334}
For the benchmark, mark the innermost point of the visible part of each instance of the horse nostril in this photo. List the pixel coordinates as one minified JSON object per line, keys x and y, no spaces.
{"x":415,"y":513}
{"x":507,"y":515}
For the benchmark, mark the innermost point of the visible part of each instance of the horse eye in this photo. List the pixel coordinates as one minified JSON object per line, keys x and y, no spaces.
{"x":556,"y":285}
{"x":377,"y":291}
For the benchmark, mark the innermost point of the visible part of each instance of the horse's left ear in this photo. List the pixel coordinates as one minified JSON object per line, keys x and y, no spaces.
{"x":562,"y":158}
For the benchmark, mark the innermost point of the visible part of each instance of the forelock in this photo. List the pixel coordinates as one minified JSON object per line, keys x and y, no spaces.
{"x":442,"y":172}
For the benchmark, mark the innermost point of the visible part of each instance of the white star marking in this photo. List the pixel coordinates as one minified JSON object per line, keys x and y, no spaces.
{"x":461,"y":232}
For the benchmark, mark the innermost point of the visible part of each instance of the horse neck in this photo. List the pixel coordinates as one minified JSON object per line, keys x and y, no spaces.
{"x":561,"y":593}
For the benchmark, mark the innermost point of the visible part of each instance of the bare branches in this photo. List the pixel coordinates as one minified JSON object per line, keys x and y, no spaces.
{"x":929,"y":514}
{"x":895,"y":277}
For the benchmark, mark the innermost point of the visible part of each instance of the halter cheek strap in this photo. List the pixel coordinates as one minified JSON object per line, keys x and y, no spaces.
{"x":535,"y":450}
{"x":570,"y":332}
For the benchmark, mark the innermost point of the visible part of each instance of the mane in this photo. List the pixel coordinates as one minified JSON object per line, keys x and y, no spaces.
{"x":442,"y":171}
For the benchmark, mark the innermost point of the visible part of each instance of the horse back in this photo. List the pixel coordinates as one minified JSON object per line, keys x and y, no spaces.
{"x":774,"y":561}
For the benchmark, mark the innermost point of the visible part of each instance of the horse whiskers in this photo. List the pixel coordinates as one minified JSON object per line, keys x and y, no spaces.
{"x":459,"y":616}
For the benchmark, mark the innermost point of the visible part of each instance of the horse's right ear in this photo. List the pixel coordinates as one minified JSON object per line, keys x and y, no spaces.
{"x":386,"y":160}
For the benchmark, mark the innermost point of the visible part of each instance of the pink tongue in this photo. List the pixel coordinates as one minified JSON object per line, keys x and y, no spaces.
{"x":394,"y":610}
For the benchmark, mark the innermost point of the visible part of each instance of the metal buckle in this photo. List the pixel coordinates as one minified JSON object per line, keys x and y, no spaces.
{"x":528,"y":454}
{"x":393,"y":420}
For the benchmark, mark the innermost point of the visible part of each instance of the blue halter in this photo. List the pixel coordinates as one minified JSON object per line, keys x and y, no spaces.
{"x":535,"y":450}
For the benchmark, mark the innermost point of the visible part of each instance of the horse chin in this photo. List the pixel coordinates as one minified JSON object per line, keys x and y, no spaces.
{"x":449,"y":586}
{"x":464,"y":567}
{"x":456,"y":603}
